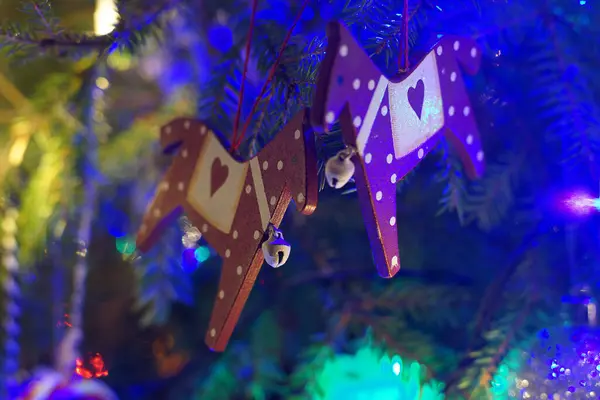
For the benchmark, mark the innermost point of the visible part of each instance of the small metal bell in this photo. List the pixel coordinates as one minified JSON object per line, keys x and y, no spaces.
{"x":275,"y":249}
{"x":339,"y":169}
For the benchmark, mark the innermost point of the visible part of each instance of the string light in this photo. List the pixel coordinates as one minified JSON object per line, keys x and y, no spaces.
{"x":97,"y":369}
{"x":582,"y":203}
{"x":105,"y":17}
{"x":125,"y":245}
{"x":371,"y":374}
{"x":202,"y":254}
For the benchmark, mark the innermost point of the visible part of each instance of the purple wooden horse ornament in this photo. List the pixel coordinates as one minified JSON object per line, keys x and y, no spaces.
{"x":390,"y":124}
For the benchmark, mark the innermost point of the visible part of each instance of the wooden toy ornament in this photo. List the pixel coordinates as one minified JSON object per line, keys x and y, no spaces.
{"x":394,"y":122}
{"x":238,"y":205}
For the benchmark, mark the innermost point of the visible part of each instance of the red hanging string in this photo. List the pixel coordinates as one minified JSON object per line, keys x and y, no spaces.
{"x":271,"y":74}
{"x":403,"y":56}
{"x":238,"y":113}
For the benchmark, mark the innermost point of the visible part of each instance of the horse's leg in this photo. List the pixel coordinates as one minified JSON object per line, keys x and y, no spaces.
{"x":376,"y":187}
{"x":237,"y":280}
{"x":458,"y":113}
{"x":242,"y":257}
{"x":463,"y":134}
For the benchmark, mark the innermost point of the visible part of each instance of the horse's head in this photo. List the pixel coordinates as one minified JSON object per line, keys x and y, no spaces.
{"x":347,"y":77}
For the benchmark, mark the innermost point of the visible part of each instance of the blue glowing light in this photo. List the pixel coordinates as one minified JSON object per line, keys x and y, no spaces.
{"x":221,"y":37}
{"x":188,"y":260}
{"x":114,"y":220}
{"x":582,"y":203}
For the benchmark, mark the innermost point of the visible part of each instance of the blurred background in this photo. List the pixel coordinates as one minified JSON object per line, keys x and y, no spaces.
{"x":496,"y":296}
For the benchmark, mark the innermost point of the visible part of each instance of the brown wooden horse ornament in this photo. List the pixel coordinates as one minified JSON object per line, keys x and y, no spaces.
{"x":238,"y":205}
{"x":390,"y":124}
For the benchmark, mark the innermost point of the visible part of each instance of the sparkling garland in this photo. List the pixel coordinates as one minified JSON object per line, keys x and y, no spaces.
{"x":563,"y":363}
{"x":12,"y":293}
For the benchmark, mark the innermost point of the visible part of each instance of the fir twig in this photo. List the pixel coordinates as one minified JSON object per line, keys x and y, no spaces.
{"x":51,"y":38}
{"x":490,"y":304}
{"x":488,"y":373}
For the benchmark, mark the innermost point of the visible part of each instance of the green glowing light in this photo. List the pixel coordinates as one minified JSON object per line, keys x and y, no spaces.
{"x":371,"y":375}
{"x":125,"y":245}
{"x":202,"y":254}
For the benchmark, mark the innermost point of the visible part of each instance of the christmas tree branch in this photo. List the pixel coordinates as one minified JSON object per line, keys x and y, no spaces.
{"x":488,"y":373}
{"x":490,"y":303}
{"x":48,"y":37}
{"x":396,"y":31}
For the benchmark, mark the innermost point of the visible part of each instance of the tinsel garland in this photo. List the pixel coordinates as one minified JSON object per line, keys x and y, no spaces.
{"x":68,"y":351}
{"x":12,"y":293}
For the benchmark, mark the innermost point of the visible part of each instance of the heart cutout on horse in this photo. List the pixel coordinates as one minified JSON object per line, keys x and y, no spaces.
{"x":416,"y":97}
{"x":218,"y":175}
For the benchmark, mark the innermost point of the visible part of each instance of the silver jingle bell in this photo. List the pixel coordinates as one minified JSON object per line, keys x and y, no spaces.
{"x":339,"y":169}
{"x":275,"y":249}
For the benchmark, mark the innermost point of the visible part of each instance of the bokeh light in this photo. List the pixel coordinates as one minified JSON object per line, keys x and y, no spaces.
{"x":582,"y":204}
{"x":125,"y":245}
{"x":559,"y":364}
{"x":188,"y":260}
{"x":202,"y":254}
{"x":372,"y":374}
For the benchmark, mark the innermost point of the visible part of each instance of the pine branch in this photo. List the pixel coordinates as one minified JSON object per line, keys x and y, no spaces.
{"x":403,"y":340}
{"x":491,"y":199}
{"x":45,"y":36}
{"x":161,"y":280}
{"x":390,"y":36}
{"x":455,"y":193}
{"x":490,"y":304}
{"x":509,"y":337}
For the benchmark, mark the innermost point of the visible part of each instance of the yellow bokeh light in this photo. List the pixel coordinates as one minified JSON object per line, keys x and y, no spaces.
{"x":102,"y":83}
